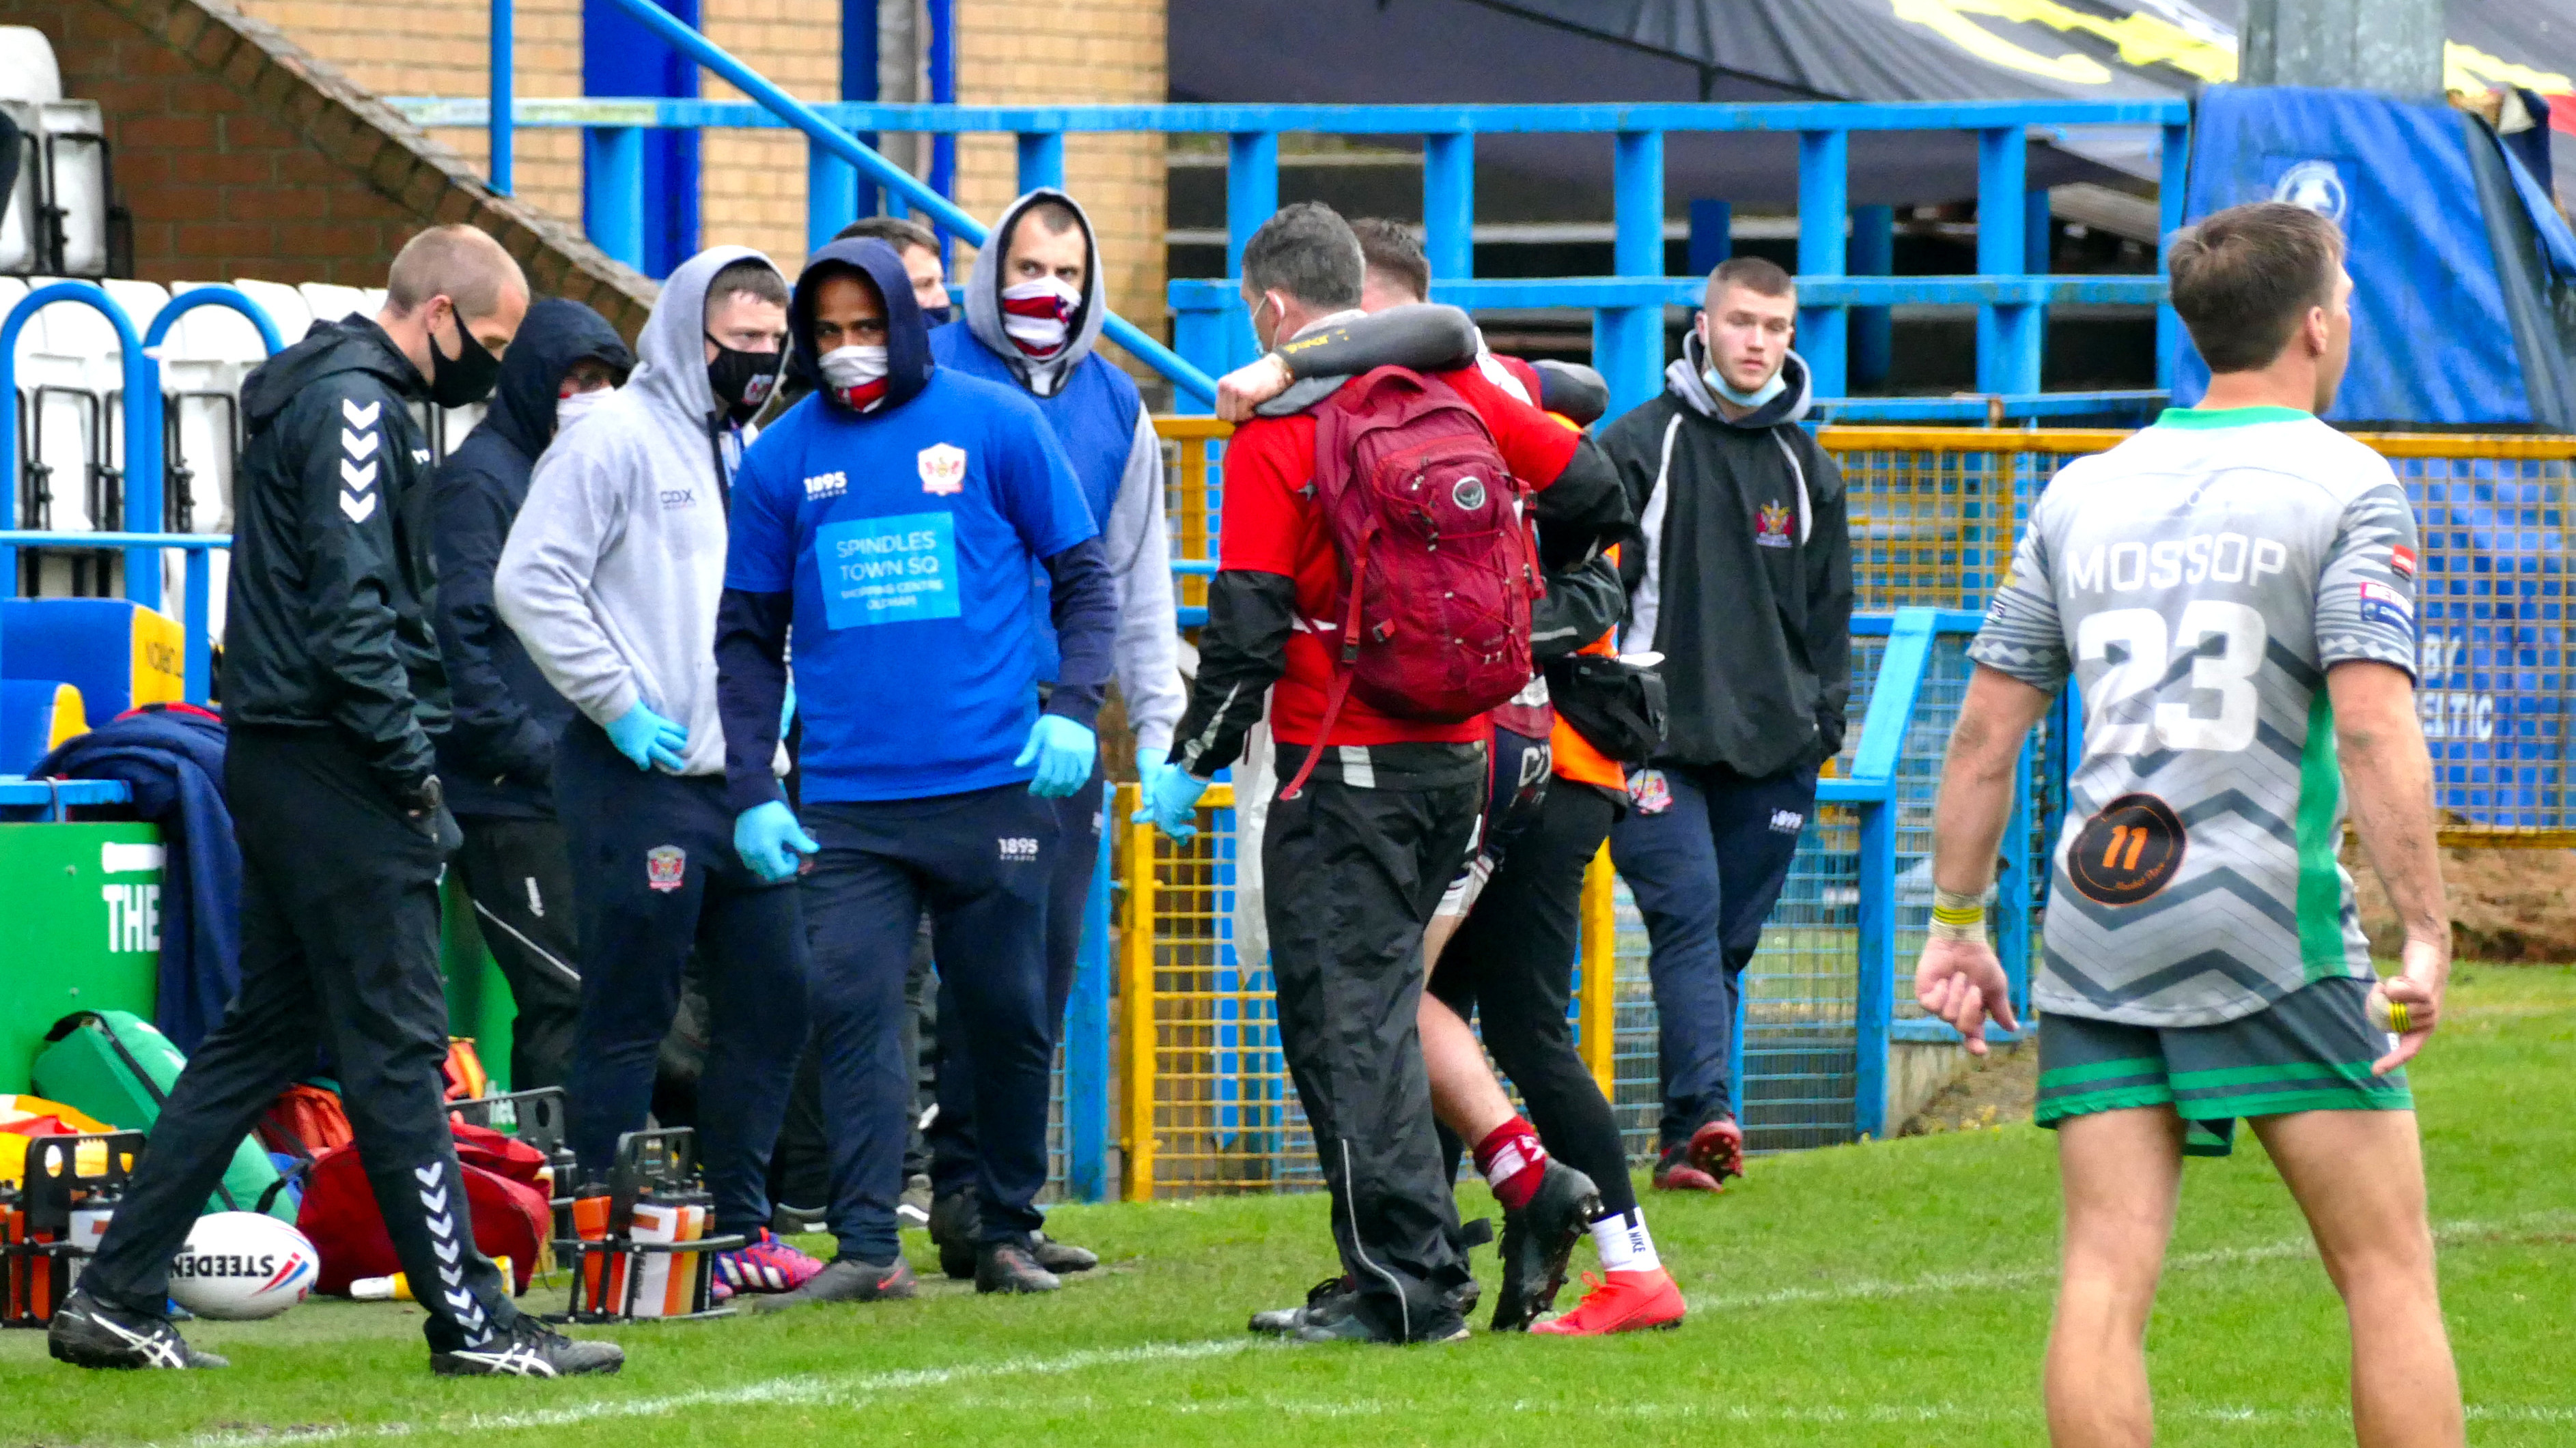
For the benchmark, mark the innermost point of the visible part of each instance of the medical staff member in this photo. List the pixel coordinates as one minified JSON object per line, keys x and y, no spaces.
{"x":1034,"y":311}
{"x":892,"y":522}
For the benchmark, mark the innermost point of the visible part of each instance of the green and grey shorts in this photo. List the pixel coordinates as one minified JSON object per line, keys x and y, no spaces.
{"x":2308,"y":1051}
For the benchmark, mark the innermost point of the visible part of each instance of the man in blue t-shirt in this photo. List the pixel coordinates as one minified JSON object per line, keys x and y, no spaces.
{"x":892,"y":521}
{"x":1033,"y":314}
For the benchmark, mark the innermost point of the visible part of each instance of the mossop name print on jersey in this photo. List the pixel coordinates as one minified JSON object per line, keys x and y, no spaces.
{"x":2197,"y":582}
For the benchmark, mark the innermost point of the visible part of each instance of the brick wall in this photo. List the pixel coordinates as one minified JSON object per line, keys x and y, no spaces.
{"x":442,"y":48}
{"x":1009,"y":52}
{"x":239,"y":156}
{"x":1021,"y":52}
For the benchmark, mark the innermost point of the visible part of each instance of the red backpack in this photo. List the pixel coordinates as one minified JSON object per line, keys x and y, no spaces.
{"x":1438,"y":570}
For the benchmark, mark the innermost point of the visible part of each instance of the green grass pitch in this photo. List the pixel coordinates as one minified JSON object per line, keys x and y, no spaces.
{"x":1892,"y":1293}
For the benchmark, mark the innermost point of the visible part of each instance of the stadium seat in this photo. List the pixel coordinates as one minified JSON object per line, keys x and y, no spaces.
{"x":35,"y":716}
{"x":285,"y":306}
{"x":118,"y":653}
{"x":64,"y":353}
{"x":330,"y":303}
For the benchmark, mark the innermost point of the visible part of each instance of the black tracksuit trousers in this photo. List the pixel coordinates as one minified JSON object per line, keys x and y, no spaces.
{"x":1352,"y":873}
{"x":518,"y":872}
{"x":1512,"y":962}
{"x":340,"y":945}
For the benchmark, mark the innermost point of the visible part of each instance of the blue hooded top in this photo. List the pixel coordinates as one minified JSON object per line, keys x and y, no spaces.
{"x":903,"y":539}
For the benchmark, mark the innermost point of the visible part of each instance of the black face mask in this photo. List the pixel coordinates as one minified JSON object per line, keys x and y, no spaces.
{"x":742,"y":380}
{"x":938,"y":316}
{"x":467,"y":378}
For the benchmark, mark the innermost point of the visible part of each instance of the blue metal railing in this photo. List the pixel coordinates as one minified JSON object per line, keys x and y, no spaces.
{"x":2010,"y":290}
{"x":141,"y":539}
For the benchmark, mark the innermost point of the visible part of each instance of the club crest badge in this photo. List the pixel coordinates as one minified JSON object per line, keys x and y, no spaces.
{"x":1650,"y":792}
{"x":943,"y":469}
{"x":666,"y":867}
{"x":1771,"y":526}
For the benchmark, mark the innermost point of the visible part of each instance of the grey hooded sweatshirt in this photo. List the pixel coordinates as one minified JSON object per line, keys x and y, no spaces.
{"x":1098,"y":416}
{"x":616,"y":563}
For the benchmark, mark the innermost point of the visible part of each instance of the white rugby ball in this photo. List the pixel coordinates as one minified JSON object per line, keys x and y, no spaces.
{"x":242,"y":1266}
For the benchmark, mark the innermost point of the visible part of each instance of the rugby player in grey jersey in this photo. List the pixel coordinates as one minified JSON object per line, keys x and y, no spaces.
{"x":2233,"y":589}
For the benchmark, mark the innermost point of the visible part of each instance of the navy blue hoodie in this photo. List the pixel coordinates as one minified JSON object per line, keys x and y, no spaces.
{"x":497,"y":757}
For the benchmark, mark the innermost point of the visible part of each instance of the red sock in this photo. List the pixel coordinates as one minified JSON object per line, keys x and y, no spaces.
{"x":1513,"y":1162}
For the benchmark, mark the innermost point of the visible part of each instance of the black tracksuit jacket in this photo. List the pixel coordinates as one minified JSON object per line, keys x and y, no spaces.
{"x":328,"y":617}
{"x":497,"y":757}
{"x":1745,"y":583}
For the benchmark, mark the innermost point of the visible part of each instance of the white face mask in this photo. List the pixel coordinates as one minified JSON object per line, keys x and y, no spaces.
{"x":574,"y":406}
{"x":857,"y":374}
{"x":1038,"y":315}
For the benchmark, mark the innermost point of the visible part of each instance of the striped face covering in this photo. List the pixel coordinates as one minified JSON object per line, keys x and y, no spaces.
{"x":857,"y":375}
{"x":1038,"y":316}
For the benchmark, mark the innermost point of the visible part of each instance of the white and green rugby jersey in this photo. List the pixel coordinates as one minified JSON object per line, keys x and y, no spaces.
{"x":2198,"y":580}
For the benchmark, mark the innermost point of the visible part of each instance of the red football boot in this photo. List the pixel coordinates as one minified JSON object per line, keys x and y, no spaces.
{"x":1717,"y":1148}
{"x":1620,"y":1302}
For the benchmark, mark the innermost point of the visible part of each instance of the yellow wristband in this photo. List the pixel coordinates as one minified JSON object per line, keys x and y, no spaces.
{"x":1958,"y":917}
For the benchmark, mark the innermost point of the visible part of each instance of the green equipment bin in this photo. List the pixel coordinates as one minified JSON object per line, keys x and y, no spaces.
{"x":116,"y":1067}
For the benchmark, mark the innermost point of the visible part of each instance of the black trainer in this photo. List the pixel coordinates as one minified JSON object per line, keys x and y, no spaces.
{"x":848,"y":1279}
{"x":528,"y":1348}
{"x":1057,"y":1256}
{"x":1322,"y":1300}
{"x":1011,"y":1267}
{"x":1537,"y":1240}
{"x":1340,"y":1320}
{"x":957,"y":1230}
{"x":87,"y":1333}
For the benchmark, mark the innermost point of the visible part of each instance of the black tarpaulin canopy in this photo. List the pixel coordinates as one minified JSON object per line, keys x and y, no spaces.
{"x":1381,"y":51}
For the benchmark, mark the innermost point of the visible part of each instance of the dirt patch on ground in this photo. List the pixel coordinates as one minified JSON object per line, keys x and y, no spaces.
{"x":2512,"y":906}
{"x":1996,"y":1091}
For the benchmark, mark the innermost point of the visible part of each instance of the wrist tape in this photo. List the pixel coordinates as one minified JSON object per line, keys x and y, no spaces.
{"x":1958,"y":917}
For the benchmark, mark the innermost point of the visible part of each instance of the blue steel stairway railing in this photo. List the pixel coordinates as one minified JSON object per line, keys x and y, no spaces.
{"x":2011,"y":289}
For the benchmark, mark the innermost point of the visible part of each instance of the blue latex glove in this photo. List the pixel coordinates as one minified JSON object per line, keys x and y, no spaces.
{"x":648,"y":739}
{"x":787,"y":709}
{"x":769,"y":840}
{"x":1149,"y":762}
{"x":1171,"y":802}
{"x":1063,"y":752}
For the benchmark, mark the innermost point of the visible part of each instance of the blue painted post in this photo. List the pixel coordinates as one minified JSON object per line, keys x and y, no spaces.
{"x":1873,"y":334}
{"x":1041,"y":160}
{"x":2173,"y":183}
{"x":1712,"y":234}
{"x":1628,"y":341}
{"x":199,"y":668}
{"x":1251,"y":198}
{"x":859,"y":83}
{"x":831,"y":195}
{"x":613,"y":191}
{"x":2038,"y":240}
{"x":499,"y":171}
{"x":1874,"y":1009}
{"x":943,"y":92}
{"x":1824,"y":207}
{"x":1086,"y":1046}
{"x":2007,"y":342}
{"x":1449,"y":204}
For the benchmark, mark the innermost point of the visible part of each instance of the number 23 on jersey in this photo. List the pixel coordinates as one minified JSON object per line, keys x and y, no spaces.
{"x":2224,"y":643}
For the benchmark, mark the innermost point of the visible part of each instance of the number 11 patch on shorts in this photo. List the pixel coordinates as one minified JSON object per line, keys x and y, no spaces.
{"x":2128,"y":851}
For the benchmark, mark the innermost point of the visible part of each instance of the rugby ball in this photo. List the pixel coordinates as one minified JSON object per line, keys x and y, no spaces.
{"x":242,"y":1266}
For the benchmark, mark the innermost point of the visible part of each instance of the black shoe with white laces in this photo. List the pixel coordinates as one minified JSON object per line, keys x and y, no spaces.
{"x":1324,"y":1299}
{"x":1538,"y":1239}
{"x":528,"y":1348}
{"x":88,"y":1333}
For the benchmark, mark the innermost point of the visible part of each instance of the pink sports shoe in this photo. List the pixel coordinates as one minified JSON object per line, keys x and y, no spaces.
{"x":765,"y":1264}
